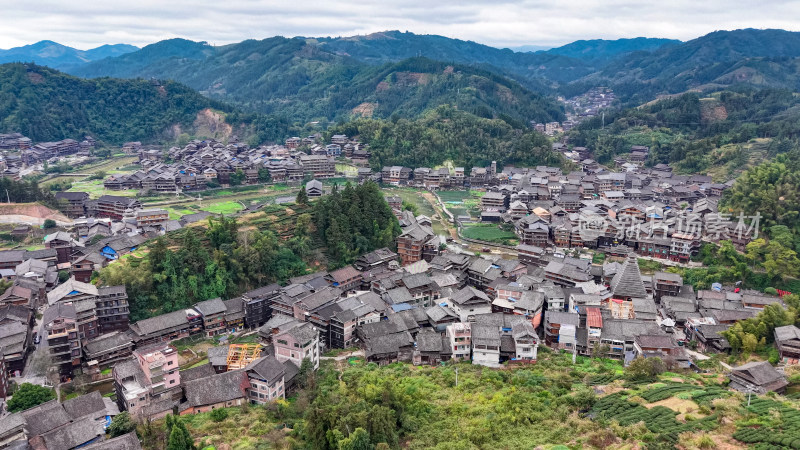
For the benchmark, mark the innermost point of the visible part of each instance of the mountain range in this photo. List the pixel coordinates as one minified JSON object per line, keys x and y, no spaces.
{"x":400,"y":74}
{"x":58,"y":56}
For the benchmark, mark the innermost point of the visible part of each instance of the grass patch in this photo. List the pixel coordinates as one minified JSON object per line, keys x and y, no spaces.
{"x":490,"y":233}
{"x":229,"y":207}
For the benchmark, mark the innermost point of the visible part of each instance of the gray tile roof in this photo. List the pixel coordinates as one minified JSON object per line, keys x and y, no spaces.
{"x":210,"y":307}
{"x":90,"y":404}
{"x":303,"y":333}
{"x":628,"y":281}
{"x":73,"y":434}
{"x":787,"y":333}
{"x":218,"y":356}
{"x":195,"y":373}
{"x":267,"y":368}
{"x":45,"y":417}
{"x":222,"y":387}
{"x":160,"y":323}
{"x":125,"y":442}
{"x":563,"y":318}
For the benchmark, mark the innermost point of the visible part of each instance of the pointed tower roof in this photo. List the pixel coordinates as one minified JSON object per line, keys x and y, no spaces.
{"x":628,"y":281}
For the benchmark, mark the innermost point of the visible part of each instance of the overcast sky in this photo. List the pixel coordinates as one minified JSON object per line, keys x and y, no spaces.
{"x":85,"y":24}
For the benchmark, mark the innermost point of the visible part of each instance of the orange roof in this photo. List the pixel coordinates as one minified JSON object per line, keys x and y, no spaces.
{"x":594,"y":318}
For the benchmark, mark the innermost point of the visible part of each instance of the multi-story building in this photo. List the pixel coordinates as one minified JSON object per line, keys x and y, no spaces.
{"x":318,"y":166}
{"x":213,"y":314}
{"x":258,"y":305}
{"x":112,"y":308}
{"x":460,"y":337}
{"x":494,"y":201}
{"x":267,"y":382}
{"x":297,"y":343}
{"x":149,"y":384}
{"x":411,"y":242}
{"x":115,"y":207}
{"x":151,"y":218}
{"x":666,"y":284}
{"x":74,"y":203}
{"x":63,"y":341}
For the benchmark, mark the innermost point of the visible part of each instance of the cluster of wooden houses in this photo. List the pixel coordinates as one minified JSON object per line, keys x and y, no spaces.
{"x":200,"y":164}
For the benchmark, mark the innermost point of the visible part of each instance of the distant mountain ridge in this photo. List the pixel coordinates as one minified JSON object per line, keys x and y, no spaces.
{"x":58,"y":56}
{"x":761,"y":58}
{"x":598,"y":51}
{"x":308,"y":79}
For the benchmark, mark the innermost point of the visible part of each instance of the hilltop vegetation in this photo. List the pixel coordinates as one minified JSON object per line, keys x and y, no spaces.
{"x":216,"y":261}
{"x":697,"y":133}
{"x":305,"y":82}
{"x":552,"y":404}
{"x":45,"y":104}
{"x":763,"y":58}
{"x":446,"y":134}
{"x":353,"y":221}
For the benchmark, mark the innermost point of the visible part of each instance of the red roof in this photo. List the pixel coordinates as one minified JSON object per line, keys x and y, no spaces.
{"x":593,"y":318}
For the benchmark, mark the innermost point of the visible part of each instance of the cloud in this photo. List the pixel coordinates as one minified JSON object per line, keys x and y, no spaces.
{"x":84,"y":24}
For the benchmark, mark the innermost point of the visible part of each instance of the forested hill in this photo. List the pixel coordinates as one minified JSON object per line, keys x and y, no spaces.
{"x":305,"y":81}
{"x":720,"y":133}
{"x":45,"y":105}
{"x":446,"y":134}
{"x":764,"y":58}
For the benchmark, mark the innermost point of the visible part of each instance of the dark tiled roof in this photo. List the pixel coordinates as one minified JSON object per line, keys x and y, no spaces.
{"x":125,"y":442}
{"x":85,"y":405}
{"x":223,"y":387}
{"x":267,"y":368}
{"x":628,"y":281}
{"x":73,"y":434}
{"x":45,"y":417}
{"x":210,"y":307}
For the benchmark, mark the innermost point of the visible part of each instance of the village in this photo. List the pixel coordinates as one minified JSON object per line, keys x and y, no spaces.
{"x":569,"y":279}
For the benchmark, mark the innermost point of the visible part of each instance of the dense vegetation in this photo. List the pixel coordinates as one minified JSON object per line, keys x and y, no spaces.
{"x":354,"y":221}
{"x":24,"y":191}
{"x":771,"y":189}
{"x":304,"y":81}
{"x":447,"y":134}
{"x":637,"y":69}
{"x":555,"y":403}
{"x":228,"y":263}
{"x":722,"y":58}
{"x":696,"y":133}
{"x":29,"y":395}
{"x":47,"y":105}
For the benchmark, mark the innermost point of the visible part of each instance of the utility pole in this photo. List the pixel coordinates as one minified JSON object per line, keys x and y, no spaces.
{"x":8,"y":197}
{"x":604,"y":120}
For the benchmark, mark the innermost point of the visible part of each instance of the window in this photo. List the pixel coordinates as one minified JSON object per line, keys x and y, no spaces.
{"x":169,"y":363}
{"x":171,"y":381}
{"x":281,"y":341}
{"x":296,"y":345}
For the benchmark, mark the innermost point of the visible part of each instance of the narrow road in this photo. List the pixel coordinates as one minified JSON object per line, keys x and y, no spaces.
{"x":701,"y":357}
{"x":343,"y":356}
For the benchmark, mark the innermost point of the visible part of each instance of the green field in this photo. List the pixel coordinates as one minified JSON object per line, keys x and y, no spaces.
{"x":229,"y":207}
{"x":489,"y":233}
{"x":110,"y":165}
{"x":453,"y":196}
{"x":349,"y":170}
{"x":95,"y":189}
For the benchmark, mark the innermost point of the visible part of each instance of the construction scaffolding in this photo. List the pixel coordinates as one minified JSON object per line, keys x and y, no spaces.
{"x":240,"y":355}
